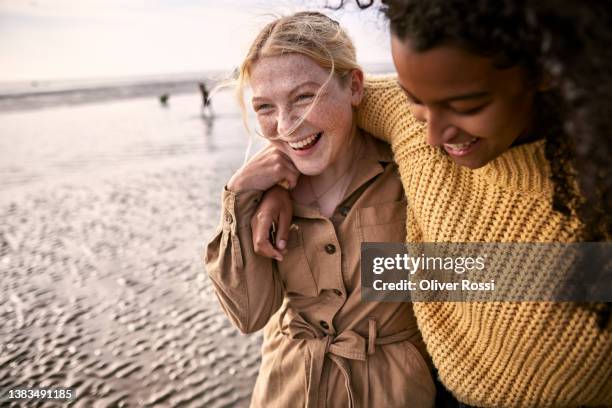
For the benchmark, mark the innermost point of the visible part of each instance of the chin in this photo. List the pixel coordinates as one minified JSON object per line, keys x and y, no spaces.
{"x":472,"y":164}
{"x":309,"y":170}
{"x":311,"y":166}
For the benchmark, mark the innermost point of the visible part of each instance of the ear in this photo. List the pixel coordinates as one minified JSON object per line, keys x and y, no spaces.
{"x":356,"y":86}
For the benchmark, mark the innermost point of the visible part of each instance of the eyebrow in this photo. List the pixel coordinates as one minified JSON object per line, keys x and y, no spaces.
{"x":462,"y":97}
{"x":293,"y":90}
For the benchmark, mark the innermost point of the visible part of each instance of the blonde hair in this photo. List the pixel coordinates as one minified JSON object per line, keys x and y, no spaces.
{"x":309,"y":33}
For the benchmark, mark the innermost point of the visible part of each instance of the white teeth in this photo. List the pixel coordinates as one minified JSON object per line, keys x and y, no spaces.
{"x":303,"y":142}
{"x":460,"y":146}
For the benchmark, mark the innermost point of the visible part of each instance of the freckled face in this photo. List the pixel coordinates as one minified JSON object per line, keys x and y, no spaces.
{"x":474,"y":110}
{"x":284,"y":87}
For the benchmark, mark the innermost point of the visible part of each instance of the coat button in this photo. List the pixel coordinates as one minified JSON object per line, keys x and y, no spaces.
{"x":344,"y":211}
{"x":337,"y":292}
{"x":330,"y":248}
{"x":324,"y":324}
{"x":228,"y":218}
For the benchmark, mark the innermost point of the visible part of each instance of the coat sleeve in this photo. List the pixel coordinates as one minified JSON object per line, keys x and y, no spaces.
{"x":246,"y":284}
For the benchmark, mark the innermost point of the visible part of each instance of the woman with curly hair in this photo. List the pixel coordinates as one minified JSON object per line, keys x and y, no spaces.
{"x":497,"y":120}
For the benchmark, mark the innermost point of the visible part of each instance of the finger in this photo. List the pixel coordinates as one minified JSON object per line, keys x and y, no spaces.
{"x":260,"y":230}
{"x":283,"y":174}
{"x":292,"y":179}
{"x":266,"y":174}
{"x":287,"y":161}
{"x":265,"y":249}
{"x":289,"y":173}
{"x":283,"y":225}
{"x":284,"y":183}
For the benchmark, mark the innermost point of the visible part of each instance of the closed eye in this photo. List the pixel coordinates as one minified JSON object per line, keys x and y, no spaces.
{"x":472,"y":111}
{"x":409,"y":96}
{"x":305,"y":97}
{"x":412,"y":100}
{"x":262,"y":106}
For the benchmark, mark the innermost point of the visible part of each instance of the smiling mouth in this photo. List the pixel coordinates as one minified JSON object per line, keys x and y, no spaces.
{"x":306,"y":143}
{"x":460,"y":148}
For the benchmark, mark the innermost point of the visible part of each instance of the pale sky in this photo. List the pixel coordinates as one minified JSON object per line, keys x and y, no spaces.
{"x":70,"y":39}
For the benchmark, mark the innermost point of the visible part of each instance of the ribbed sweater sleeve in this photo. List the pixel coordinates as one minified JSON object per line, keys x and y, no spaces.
{"x":384,"y":111}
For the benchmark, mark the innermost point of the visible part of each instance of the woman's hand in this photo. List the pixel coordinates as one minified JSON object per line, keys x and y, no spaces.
{"x":264,"y":170}
{"x":275,"y":207}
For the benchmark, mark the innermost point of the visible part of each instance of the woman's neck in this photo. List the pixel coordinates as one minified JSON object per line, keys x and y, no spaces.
{"x":339,"y":169}
{"x":328,"y":188}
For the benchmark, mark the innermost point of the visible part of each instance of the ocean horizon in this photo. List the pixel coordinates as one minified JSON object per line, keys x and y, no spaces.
{"x":37,"y":94}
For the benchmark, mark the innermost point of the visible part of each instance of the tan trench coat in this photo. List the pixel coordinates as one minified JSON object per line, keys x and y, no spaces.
{"x":323,"y":346}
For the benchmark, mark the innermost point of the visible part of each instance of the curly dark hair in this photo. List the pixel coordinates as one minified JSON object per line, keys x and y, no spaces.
{"x":576,"y":52}
{"x":567,"y":44}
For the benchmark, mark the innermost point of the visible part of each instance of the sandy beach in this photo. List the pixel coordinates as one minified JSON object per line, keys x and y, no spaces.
{"x":105,"y":209}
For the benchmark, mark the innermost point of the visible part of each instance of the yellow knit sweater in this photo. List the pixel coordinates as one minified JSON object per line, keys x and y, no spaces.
{"x":493,"y":354}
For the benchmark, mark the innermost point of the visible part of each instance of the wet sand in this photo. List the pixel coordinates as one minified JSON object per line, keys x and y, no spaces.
{"x":103,"y":287}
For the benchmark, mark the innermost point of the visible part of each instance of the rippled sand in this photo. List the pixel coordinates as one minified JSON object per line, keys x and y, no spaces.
{"x":103,"y":287}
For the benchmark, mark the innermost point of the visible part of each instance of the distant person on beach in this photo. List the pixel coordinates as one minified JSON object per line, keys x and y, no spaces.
{"x":206,"y":103}
{"x":163,"y":99}
{"x":322,"y":346}
{"x":498,"y":122}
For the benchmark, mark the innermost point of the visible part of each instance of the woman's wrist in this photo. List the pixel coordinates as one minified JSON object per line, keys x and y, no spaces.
{"x":235,"y":184}
{"x":239,"y":187}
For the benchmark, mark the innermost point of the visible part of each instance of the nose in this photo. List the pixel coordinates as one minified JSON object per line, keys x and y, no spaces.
{"x":439,"y":131}
{"x":285,"y":122}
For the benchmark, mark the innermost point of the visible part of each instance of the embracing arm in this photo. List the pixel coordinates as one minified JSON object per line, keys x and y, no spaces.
{"x":384,"y":111}
{"x":246,"y":284}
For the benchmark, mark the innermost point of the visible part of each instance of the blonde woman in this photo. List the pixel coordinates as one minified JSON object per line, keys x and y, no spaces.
{"x":323,"y":346}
